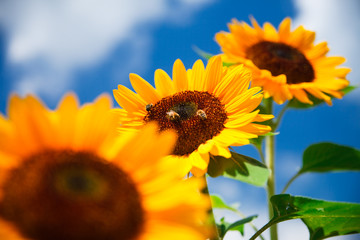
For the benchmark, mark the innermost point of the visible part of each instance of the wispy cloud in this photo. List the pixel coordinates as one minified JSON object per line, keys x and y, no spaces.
{"x":336,"y":22}
{"x":49,"y":40}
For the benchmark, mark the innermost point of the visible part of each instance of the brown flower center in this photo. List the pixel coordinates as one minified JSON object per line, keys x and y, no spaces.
{"x":280,"y":58}
{"x":196,"y":117}
{"x":71,"y":195}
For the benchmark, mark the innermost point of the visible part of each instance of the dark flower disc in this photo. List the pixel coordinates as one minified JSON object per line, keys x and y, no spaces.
{"x":70,"y":195}
{"x":196,"y":116}
{"x":280,"y":58}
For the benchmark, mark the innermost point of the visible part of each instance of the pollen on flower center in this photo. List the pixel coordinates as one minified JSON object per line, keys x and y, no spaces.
{"x":71,"y":195}
{"x":185,"y":110}
{"x":280,"y":58}
{"x":196,"y":117}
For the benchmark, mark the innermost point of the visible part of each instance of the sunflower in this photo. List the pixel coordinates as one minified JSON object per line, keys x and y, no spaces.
{"x":210,"y":109}
{"x":286,"y":64}
{"x":68,"y":174}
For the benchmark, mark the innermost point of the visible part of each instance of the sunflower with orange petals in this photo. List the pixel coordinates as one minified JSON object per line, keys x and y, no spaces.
{"x":68,"y":174}
{"x":210,"y":109}
{"x":286,"y":64}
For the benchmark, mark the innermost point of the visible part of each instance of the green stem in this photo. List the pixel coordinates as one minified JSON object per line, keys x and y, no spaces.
{"x":251,"y":224}
{"x":261,"y":154}
{"x":270,"y":161}
{"x":289,"y":182}
{"x":258,"y":233}
{"x":279,"y":117}
{"x":211,"y":213}
{"x":237,"y":211}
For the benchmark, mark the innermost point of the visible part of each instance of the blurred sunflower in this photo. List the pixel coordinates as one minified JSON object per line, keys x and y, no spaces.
{"x":210,"y":109}
{"x":67,"y":174}
{"x":286,"y":64}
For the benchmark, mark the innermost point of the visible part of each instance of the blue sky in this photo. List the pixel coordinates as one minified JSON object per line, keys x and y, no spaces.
{"x":51,"y":47}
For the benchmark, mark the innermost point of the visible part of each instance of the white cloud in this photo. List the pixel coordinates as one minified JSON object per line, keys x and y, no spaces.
{"x":64,"y":36}
{"x":337,"y":22}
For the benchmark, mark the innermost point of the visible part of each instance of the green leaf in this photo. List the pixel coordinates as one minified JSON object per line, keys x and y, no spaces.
{"x":294,"y":103}
{"x":258,"y":141}
{"x":323,"y":157}
{"x":202,"y":53}
{"x":323,"y":219}
{"x":207,"y":56}
{"x":228,"y":64}
{"x":271,"y":134}
{"x":239,"y":167}
{"x":218,"y":202}
{"x":348,"y":89}
{"x":224,"y":227}
{"x":239,"y":225}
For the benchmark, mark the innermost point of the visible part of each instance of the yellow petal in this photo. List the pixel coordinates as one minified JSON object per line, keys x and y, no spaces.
{"x":284,"y":29}
{"x":213,"y":73}
{"x":198,"y":76}
{"x":218,"y":150}
{"x":180,"y":76}
{"x":301,"y":95}
{"x":163,"y":83}
{"x":241,"y":120}
{"x":199,"y":160}
{"x":320,"y":95}
{"x":129,"y":100}
{"x":144,"y":89}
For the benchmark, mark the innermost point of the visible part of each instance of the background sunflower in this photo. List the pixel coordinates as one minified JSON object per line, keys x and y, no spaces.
{"x":285,"y":63}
